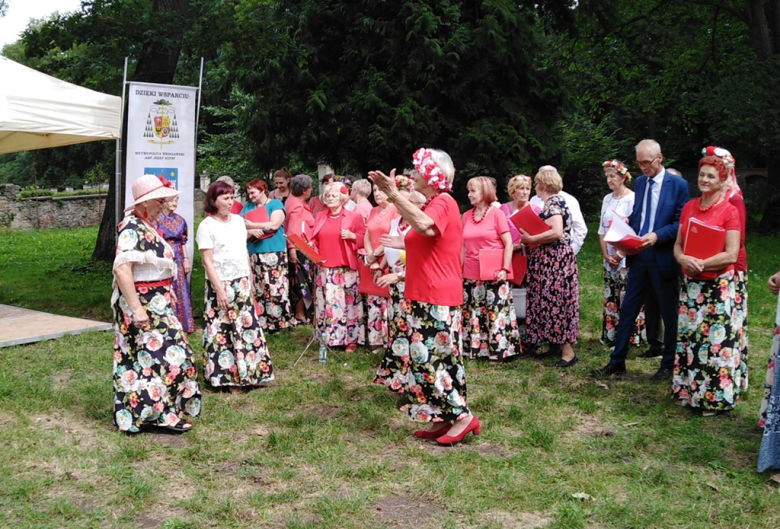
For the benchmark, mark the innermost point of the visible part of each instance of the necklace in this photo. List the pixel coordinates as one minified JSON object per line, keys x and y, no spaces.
{"x":618,"y":198}
{"x":474,"y":215}
{"x":707,"y":208}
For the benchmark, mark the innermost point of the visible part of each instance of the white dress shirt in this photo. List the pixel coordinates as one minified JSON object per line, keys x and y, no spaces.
{"x":658,"y":181}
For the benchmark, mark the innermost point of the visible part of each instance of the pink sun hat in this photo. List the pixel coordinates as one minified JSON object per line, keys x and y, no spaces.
{"x":149,"y":187}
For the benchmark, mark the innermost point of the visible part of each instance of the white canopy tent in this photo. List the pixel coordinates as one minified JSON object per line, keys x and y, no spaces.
{"x":38,"y":111}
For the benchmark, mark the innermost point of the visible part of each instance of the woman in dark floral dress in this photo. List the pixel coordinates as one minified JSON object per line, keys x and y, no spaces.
{"x":236,"y":351}
{"x":434,"y":297}
{"x":155,"y":379}
{"x":769,"y":455}
{"x":709,"y":327}
{"x":174,"y":229}
{"x":553,"y":313}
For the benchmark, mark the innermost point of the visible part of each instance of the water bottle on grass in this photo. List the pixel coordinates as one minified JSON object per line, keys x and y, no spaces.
{"x":323,"y":348}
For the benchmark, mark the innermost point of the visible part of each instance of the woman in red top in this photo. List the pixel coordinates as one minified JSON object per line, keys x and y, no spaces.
{"x":336,"y":231}
{"x":434,"y":295}
{"x":378,"y":224}
{"x":299,"y":221}
{"x":706,"y":366}
{"x":489,"y":319}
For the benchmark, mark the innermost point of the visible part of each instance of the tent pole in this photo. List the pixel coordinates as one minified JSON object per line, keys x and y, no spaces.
{"x":118,"y":187}
{"x":197,"y":109}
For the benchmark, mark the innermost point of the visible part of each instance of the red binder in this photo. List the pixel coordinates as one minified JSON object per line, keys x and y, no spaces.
{"x":259,"y":214}
{"x":519,"y":268}
{"x":367,"y":285}
{"x":622,"y":236}
{"x":526,"y":219}
{"x":490,"y":262}
{"x":703,"y":241}
{"x":303,"y":246}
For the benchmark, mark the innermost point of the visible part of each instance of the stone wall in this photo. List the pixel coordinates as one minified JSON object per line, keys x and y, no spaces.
{"x":48,"y":212}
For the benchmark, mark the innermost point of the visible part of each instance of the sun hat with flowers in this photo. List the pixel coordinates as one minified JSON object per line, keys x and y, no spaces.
{"x":149,"y":187}
{"x":618,"y":166}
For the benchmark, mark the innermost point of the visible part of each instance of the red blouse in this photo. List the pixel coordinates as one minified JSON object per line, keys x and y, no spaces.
{"x":724,"y":215}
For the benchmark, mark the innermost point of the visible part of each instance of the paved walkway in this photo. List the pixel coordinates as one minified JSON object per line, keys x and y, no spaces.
{"x":19,"y":326}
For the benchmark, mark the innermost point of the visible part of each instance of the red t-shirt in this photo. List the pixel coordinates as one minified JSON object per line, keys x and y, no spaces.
{"x":330,"y":243}
{"x":739,"y":203}
{"x":379,"y":223}
{"x":433,"y":264}
{"x":724,"y":215}
{"x":485,"y":235}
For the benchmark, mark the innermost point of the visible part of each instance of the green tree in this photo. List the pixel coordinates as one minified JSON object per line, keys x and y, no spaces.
{"x":362,"y":84}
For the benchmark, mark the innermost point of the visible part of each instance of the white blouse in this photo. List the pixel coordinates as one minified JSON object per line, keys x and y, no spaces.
{"x":623,"y":207}
{"x":228,"y":241}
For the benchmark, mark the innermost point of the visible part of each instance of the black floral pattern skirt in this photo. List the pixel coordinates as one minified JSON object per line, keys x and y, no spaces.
{"x":393,"y":371}
{"x":233,"y":340}
{"x":553,"y":313}
{"x":489,"y":320}
{"x":272,"y":290}
{"x":155,"y":378}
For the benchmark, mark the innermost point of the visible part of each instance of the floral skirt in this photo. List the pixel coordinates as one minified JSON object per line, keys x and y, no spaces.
{"x":614,"y":292}
{"x":553,"y":313}
{"x":769,"y":382}
{"x":709,"y":328}
{"x":489,"y":320}
{"x":377,"y":320}
{"x":769,"y":454}
{"x":393,"y":371}
{"x":233,"y":340}
{"x":436,"y":379}
{"x":741,"y":282}
{"x":272,"y":290}
{"x":301,"y":276}
{"x":155,"y":378}
{"x":338,"y":311}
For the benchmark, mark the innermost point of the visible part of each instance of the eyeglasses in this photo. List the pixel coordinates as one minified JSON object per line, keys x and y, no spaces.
{"x":642,"y":163}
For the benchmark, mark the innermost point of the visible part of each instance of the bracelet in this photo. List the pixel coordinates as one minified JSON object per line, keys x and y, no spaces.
{"x":391,"y":197}
{"x":504,"y":269}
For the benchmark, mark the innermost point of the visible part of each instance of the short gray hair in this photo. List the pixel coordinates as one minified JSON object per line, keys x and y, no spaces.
{"x":363,"y":187}
{"x":652,"y":145}
{"x":299,"y":184}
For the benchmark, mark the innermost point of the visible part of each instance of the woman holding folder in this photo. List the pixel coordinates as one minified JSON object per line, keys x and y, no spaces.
{"x":553,"y":277}
{"x":707,"y":374}
{"x":489,"y":320}
{"x":621,"y":202}
{"x":338,"y":312}
{"x":267,"y":246}
{"x":299,"y":221}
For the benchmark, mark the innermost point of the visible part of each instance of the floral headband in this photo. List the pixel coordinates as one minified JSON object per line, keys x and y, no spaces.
{"x":730,"y":162}
{"x":423,"y":162}
{"x":404,"y":183}
{"x":618,"y":166}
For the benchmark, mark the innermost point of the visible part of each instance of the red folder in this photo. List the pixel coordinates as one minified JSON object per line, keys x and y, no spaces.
{"x":367,"y":285}
{"x":703,"y":241}
{"x":303,"y":246}
{"x":519,"y":268}
{"x":490,"y":262}
{"x":526,"y":219}
{"x":259,"y":214}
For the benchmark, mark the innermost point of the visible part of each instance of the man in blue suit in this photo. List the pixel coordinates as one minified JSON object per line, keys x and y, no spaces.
{"x":660,"y":197}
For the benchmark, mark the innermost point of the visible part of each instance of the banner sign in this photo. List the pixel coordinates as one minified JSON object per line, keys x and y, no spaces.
{"x":161,"y":141}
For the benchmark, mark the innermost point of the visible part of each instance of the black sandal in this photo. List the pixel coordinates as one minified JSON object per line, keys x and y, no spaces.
{"x":177,"y":428}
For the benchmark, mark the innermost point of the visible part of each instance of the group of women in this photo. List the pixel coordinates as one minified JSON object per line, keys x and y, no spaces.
{"x":416,"y":244}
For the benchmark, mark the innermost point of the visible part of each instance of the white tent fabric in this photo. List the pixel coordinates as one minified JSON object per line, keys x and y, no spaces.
{"x":38,"y":111}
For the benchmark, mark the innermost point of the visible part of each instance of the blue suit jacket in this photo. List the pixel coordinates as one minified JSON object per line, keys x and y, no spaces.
{"x":675,"y":192}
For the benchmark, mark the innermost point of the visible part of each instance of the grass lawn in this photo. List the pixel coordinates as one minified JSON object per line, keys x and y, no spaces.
{"x":323,"y":447}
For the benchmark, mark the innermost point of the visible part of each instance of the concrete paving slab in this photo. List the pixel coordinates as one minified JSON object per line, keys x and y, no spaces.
{"x":19,"y":326}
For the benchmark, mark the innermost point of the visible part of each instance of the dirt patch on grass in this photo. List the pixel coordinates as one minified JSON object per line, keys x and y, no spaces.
{"x":595,"y":427}
{"x":78,"y":431}
{"x":400,"y":511}
{"x":169,"y":440}
{"x":521,"y":520}
{"x":61,"y":380}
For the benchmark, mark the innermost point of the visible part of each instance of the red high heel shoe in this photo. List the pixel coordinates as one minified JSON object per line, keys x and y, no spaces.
{"x":449,"y":440}
{"x":433,"y":434}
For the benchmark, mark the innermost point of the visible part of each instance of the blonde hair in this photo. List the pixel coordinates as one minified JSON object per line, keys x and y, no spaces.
{"x":549,"y":179}
{"x":518,"y":181}
{"x":337,"y":186}
{"x":363,"y":187}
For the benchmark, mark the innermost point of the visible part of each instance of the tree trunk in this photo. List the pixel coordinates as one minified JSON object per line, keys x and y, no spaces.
{"x":161,"y":55}
{"x":105,"y":247}
{"x":774,"y":23}
{"x":759,"y":28}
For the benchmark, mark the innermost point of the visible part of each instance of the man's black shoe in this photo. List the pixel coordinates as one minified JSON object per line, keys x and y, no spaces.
{"x":609,"y":370}
{"x":663,"y":373}
{"x":653,"y":352}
